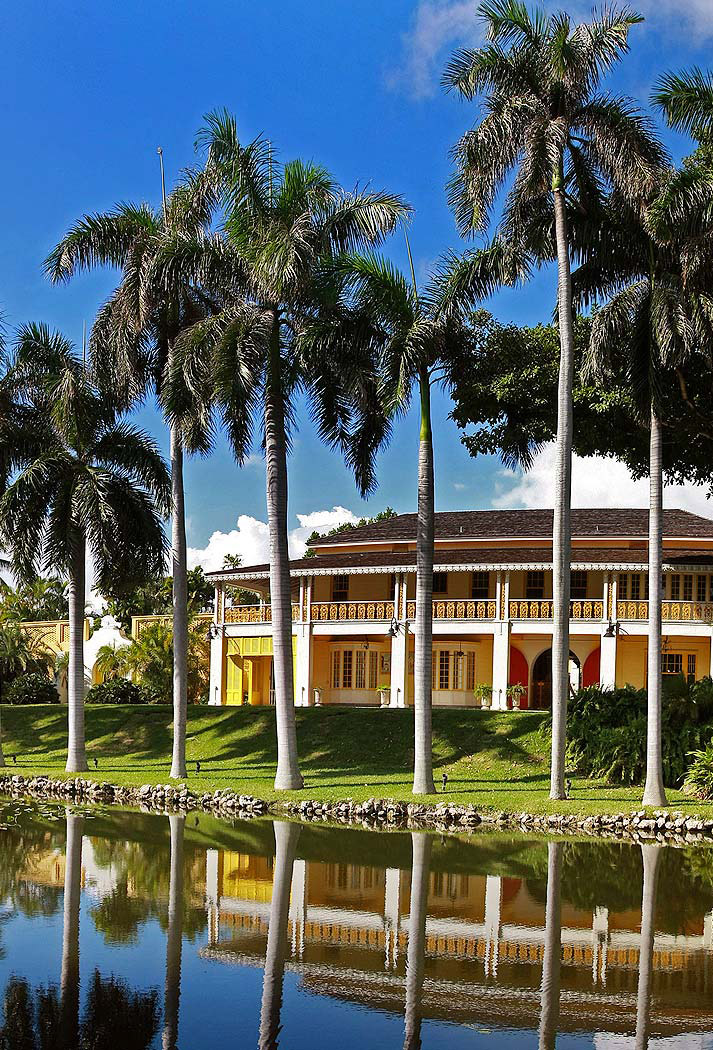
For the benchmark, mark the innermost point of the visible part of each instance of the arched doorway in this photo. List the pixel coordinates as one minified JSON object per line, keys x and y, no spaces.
{"x":541,"y":691}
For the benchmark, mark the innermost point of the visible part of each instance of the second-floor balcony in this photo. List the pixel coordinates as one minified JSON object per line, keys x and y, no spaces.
{"x":543,"y":609}
{"x":671,"y":611}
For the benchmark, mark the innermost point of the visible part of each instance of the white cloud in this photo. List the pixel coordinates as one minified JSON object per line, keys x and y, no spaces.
{"x":597,"y":481}
{"x":251,"y":540}
{"x":441,"y":26}
{"x":438,"y":27}
{"x":459,"y":486}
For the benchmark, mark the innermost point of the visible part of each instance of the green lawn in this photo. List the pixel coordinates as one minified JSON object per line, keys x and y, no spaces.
{"x":494,"y":760}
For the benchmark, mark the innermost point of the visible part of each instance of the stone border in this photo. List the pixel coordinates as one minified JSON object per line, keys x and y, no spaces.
{"x":374,"y":814}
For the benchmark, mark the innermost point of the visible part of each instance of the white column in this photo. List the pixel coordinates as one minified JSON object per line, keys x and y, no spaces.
{"x":501,"y":665}
{"x":607,"y":662}
{"x":398,"y":649}
{"x":392,"y":903}
{"x":506,"y":597}
{"x":298,"y":905}
{"x":493,"y":893}
{"x":303,"y":632}
{"x":217,"y":667}
{"x":212,"y":889}
{"x":600,"y":938}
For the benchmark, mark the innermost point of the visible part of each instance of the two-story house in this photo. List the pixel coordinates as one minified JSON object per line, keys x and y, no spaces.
{"x":354,"y":608}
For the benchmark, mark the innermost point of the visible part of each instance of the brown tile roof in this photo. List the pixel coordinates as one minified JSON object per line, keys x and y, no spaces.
{"x":492,"y":524}
{"x":507,"y":556}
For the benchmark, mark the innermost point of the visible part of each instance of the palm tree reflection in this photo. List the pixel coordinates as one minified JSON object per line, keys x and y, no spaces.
{"x":286,"y":837}
{"x":551,"y":965}
{"x":416,"y":956}
{"x":650,"y":855}
{"x":174,"y":939}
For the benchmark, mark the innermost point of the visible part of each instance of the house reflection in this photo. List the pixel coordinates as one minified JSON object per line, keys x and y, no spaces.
{"x":485,"y":939}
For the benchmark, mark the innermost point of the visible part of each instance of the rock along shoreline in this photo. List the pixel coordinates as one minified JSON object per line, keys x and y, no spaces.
{"x":373,"y":814}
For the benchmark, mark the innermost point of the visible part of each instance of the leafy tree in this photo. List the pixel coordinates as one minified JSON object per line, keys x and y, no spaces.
{"x":132,"y":345}
{"x":148,"y":660}
{"x":89,"y":481}
{"x":550,"y":140}
{"x":44,"y":598}
{"x":283,"y":331}
{"x":155,"y":598}
{"x":239,"y":596}
{"x":347,"y":526}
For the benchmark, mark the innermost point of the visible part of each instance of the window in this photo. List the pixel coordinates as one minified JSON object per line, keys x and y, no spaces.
{"x":687,"y":588}
{"x":373,"y":669}
{"x":444,"y":667}
{"x":360,"y":669}
{"x":347,"y":666}
{"x":672,"y":663}
{"x":340,"y":588}
{"x":578,"y":583}
{"x":336,"y":668}
{"x":635,"y":586}
{"x":459,"y":670}
{"x":470,"y":672}
{"x":623,"y":588}
{"x":481,"y":585}
{"x":440,"y":583}
{"x":701,"y":588}
{"x":675,"y":587}
{"x":535,"y":584}
{"x":691,"y":668}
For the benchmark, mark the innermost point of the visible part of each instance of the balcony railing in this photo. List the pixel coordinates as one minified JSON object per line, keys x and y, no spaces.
{"x":254,"y":614}
{"x":345,"y":611}
{"x":454,"y":609}
{"x":543,"y":608}
{"x":671,"y":611}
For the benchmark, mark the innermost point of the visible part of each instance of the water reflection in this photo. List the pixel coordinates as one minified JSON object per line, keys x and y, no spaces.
{"x":403,"y":932}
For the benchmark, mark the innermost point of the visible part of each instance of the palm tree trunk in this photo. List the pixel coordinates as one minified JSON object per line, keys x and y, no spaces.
{"x":423,"y":695}
{"x":551,"y":964}
{"x":288,"y":775}
{"x":2,"y":756}
{"x":562,"y":527}
{"x":654,"y":793}
{"x":76,"y":753}
{"x":286,"y":836}
{"x":650,"y":855}
{"x":179,"y":570}
{"x":174,"y":939}
{"x":69,"y":980}
{"x":416,"y":955}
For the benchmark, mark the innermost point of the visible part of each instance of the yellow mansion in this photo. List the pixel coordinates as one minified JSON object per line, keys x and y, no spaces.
{"x":354,"y":607}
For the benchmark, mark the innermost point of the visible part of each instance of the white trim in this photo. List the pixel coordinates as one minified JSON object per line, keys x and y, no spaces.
{"x":381,"y":570}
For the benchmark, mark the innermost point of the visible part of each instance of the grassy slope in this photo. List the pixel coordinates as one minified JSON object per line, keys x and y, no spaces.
{"x":493,"y":760}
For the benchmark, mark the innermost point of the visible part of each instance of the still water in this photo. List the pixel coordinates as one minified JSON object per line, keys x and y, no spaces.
{"x":129,"y":931}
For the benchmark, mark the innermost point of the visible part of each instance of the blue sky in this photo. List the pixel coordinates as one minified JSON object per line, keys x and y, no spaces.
{"x":91,"y":89}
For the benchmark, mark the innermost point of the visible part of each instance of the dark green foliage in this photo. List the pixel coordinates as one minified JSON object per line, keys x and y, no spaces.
{"x":32,"y":688}
{"x":699,"y":778}
{"x":119,"y":691}
{"x":346,"y":526}
{"x":156,"y":597}
{"x":606,"y":730}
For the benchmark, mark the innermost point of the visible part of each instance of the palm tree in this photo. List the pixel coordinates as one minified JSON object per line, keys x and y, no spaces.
{"x":547,"y":124}
{"x":415,"y":336}
{"x":89,"y":483}
{"x":283,"y":331}
{"x":131,"y":347}
{"x":416,"y":956}
{"x":286,"y":838}
{"x":652,"y":322}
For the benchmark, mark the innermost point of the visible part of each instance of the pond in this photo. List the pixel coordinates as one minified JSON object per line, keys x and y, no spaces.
{"x":131,"y":930}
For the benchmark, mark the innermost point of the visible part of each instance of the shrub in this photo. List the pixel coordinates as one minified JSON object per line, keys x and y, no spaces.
{"x":606,"y":730}
{"x":699,"y":778}
{"x":32,"y":688}
{"x":119,"y":691}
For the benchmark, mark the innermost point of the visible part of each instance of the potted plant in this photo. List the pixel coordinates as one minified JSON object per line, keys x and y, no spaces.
{"x":483,"y":694}
{"x":384,"y":694}
{"x":515,"y":693}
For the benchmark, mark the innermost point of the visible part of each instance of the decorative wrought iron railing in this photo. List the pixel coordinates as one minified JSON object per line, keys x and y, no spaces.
{"x":671,"y":611}
{"x":345,"y":611}
{"x":255,"y":614}
{"x":458,"y":609}
{"x":543,"y":609}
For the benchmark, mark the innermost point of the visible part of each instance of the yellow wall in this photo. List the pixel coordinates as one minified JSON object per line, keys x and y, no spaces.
{"x":247,"y":664}
{"x":362,"y":588}
{"x":631,"y":657}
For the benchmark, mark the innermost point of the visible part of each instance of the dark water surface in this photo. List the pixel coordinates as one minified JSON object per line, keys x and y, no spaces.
{"x":129,"y":930}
